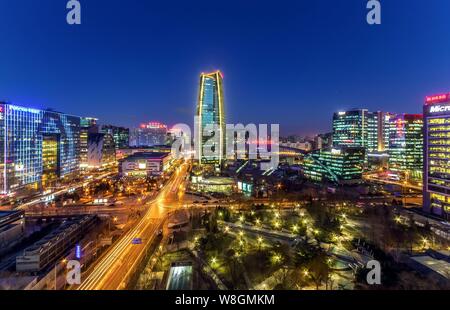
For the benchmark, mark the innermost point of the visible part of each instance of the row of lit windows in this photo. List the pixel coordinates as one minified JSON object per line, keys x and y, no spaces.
{"x":438,"y":121}
{"x":439,"y":149}
{"x":439,"y":128}
{"x":440,"y":135}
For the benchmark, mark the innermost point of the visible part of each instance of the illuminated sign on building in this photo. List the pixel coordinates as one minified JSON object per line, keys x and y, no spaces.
{"x":439,"y":108}
{"x":437,"y":99}
{"x":78,"y":251}
{"x":142,"y":166}
{"x":436,"y":172}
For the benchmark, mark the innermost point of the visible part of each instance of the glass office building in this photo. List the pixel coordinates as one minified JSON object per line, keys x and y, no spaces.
{"x":210,"y":115}
{"x":339,"y":165}
{"x":359,"y":128}
{"x":406,"y":145}
{"x":37,"y":146}
{"x":151,"y":134}
{"x":121,"y":135}
{"x":436,"y":168}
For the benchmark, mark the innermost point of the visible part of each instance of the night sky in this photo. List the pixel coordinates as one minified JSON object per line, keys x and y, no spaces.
{"x":287,"y":62}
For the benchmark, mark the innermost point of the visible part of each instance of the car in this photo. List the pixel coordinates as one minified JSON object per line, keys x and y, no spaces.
{"x":160,"y":233}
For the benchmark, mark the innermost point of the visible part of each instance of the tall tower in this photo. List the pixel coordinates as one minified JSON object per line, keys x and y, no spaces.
{"x":210,"y":122}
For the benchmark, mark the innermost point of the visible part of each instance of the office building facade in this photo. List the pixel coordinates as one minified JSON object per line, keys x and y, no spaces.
{"x":121,"y":135}
{"x":151,"y":134}
{"x":210,"y":147}
{"x":37,"y":146}
{"x":406,"y":146}
{"x":101,"y":151}
{"x":358,"y":128}
{"x":143,"y":165}
{"x":339,"y":165}
{"x":436,"y":168}
{"x":87,"y":125}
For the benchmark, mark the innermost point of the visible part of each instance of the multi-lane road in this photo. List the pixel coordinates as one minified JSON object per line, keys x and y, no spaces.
{"x":62,"y":191}
{"x":117,"y":266}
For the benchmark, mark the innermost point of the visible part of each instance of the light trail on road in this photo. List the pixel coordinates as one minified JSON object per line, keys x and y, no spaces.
{"x":120,"y":261}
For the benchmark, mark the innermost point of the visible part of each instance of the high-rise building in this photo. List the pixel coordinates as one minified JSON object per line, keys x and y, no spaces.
{"x":358,"y":128}
{"x":323,"y":141}
{"x":121,"y":135}
{"x":361,"y":128}
{"x":87,"y":125}
{"x":210,"y":116}
{"x":406,"y":145}
{"x":339,"y":165}
{"x":153,"y":133}
{"x":36,"y":147}
{"x":386,"y":130}
{"x":101,"y":150}
{"x":436,"y":168}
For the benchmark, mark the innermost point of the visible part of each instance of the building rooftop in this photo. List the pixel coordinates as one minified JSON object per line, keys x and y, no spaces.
{"x":217,"y":181}
{"x":439,"y":266}
{"x":7,"y":217}
{"x":148,"y":155}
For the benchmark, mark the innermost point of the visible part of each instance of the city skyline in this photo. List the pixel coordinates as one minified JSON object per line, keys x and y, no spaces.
{"x":288,"y":61}
{"x":228,"y":151}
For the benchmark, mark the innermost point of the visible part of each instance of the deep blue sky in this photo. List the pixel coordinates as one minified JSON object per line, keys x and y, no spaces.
{"x":288,"y":62}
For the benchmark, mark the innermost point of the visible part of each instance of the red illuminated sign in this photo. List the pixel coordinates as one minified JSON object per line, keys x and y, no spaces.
{"x":437,"y":99}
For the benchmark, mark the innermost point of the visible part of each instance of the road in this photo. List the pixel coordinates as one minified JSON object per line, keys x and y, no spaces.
{"x":115,"y":268}
{"x":63,"y":191}
{"x":383,"y":181}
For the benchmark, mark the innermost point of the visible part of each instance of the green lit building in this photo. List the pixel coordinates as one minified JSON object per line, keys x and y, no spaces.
{"x":358,"y":128}
{"x":339,"y":165}
{"x":406,"y":145}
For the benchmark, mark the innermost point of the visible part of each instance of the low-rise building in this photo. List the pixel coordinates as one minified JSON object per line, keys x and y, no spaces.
{"x":145,"y":164}
{"x":12,"y":228}
{"x":49,"y":249}
{"x":218,"y":185}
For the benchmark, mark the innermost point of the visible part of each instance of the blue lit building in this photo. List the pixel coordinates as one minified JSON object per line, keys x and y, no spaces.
{"x":37,"y":147}
{"x":210,"y":113}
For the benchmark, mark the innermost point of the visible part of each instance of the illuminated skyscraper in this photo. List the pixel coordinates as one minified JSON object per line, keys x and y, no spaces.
{"x":361,"y":128}
{"x":210,"y":113}
{"x":37,"y":147}
{"x":436,"y":174}
{"x":406,"y":145}
{"x":87,"y":125}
